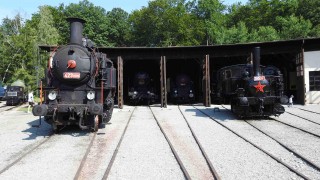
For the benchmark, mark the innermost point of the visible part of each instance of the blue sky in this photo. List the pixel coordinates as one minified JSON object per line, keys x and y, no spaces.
{"x":27,"y":7}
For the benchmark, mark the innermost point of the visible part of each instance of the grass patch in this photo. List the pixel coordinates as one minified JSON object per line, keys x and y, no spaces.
{"x":25,"y":109}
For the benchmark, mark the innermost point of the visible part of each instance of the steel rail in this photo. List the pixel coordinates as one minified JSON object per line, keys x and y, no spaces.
{"x":182,"y":167}
{"x":107,"y":172}
{"x":212,"y":169}
{"x":83,"y":161}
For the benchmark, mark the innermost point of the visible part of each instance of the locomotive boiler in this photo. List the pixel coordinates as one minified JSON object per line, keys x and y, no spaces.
{"x":252,"y":89}
{"x":181,"y":90}
{"x":80,"y":84}
{"x":142,"y":90}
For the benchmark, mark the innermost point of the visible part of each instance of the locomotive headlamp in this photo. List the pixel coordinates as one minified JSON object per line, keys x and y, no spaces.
{"x":90,"y":95}
{"x":52,"y":95}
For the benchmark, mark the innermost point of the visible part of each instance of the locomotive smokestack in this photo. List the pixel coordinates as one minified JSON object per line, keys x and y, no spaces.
{"x":76,"y":29}
{"x":256,"y":61}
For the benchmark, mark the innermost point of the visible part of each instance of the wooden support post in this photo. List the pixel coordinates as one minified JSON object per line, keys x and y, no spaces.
{"x":163,"y":82}
{"x":206,"y":81}
{"x":120,"y":82}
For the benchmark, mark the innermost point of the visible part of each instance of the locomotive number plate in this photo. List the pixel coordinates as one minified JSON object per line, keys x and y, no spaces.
{"x":259,"y":78}
{"x":71,"y":75}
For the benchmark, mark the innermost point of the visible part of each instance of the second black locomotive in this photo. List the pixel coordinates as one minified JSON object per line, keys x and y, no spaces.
{"x":251,"y":89}
{"x":80,"y":85}
{"x":181,"y":89}
{"x":15,"y":95}
{"x":142,"y":91}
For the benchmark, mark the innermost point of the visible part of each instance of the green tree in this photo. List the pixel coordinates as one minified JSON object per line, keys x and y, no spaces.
{"x":47,"y":33}
{"x":165,"y":23}
{"x":235,"y":34}
{"x":263,"y":34}
{"x":258,"y":13}
{"x":293,"y":27}
{"x":310,"y":9}
{"x":120,"y":28}
{"x":210,"y":14}
{"x":11,"y":47}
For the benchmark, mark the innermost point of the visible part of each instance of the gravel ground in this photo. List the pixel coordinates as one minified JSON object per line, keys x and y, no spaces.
{"x":266,"y":143}
{"x":58,"y":158}
{"x":233,"y":157}
{"x":144,"y":153}
{"x":105,"y":144}
{"x":181,"y":138}
{"x":17,"y":135}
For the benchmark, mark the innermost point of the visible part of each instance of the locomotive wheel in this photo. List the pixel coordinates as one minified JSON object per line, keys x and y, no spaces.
{"x":55,"y":128}
{"x":96,"y":124}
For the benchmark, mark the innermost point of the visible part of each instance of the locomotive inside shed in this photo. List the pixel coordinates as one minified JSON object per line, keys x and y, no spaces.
{"x":132,"y":67}
{"x":286,"y":62}
{"x":188,"y":67}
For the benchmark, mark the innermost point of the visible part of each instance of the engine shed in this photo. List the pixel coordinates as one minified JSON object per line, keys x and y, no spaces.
{"x":297,"y":59}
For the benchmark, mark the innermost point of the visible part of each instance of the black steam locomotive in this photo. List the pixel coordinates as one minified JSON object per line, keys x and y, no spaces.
{"x":251,"y":89}
{"x":142,"y":90}
{"x":80,"y":85}
{"x":181,"y":89}
{"x":15,"y":95}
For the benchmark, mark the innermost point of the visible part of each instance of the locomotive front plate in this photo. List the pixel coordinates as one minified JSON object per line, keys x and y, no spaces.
{"x":71,"y":75}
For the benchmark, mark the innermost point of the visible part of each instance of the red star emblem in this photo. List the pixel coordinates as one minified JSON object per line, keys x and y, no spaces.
{"x":259,"y":87}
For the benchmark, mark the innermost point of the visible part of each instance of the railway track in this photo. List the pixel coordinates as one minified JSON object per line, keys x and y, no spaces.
{"x":23,"y":155}
{"x":307,"y":110}
{"x":290,"y":125}
{"x":182,"y":166}
{"x":295,"y":127}
{"x":306,"y":160}
{"x":214,"y":173}
{"x":114,"y":155}
{"x":208,"y":161}
{"x":293,"y":114}
{"x":4,"y":108}
{"x":264,"y":151}
{"x":173,"y":150}
{"x":83,"y":161}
